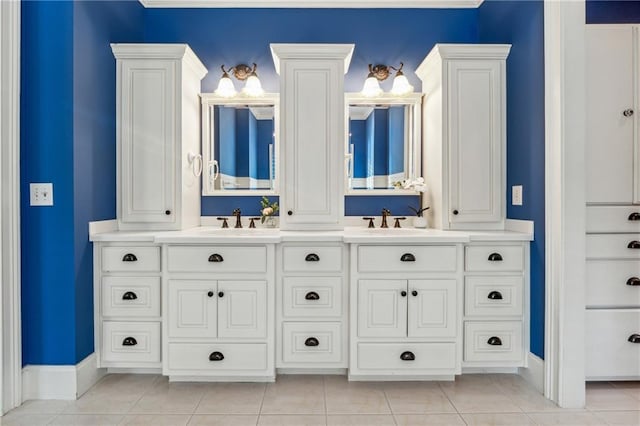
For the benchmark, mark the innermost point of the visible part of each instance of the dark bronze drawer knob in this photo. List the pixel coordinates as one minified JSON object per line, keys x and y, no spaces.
{"x":627,"y":112}
{"x":129,"y":257}
{"x":407,"y":257}
{"x":311,"y":341}
{"x":495,"y":295}
{"x":633,"y":281}
{"x":407,"y":356}
{"x":216,"y":356}
{"x":494,"y":341}
{"x":312,"y":295}
{"x":634,"y":338}
{"x":634,"y":245}
{"x":216,"y":258}
{"x":312,"y":257}
{"x":495,"y":257}
{"x":129,"y":341}
{"x":129,"y":296}
{"x":634,"y":216}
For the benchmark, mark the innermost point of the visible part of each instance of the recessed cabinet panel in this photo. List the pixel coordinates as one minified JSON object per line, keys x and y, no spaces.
{"x":493,"y":296}
{"x":494,"y":258}
{"x":131,"y":259}
{"x":432,"y":308}
{"x":222,"y":258}
{"x":209,"y":358}
{"x":438,"y":358}
{"x":405,"y":258}
{"x":312,"y":259}
{"x":192,"y":308}
{"x":130,"y":296}
{"x":493,"y":341}
{"x":312,"y":296}
{"x":382,"y":308}
{"x":242,"y":309}
{"x":312,"y":342}
{"x":133,"y":342}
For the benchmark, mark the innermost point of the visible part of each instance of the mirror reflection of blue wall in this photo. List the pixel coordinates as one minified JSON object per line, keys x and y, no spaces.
{"x":377,"y":146}
{"x":243,"y":147}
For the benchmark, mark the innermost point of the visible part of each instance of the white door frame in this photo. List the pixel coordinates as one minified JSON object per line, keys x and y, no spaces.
{"x":564,"y":56}
{"x":10,"y":341}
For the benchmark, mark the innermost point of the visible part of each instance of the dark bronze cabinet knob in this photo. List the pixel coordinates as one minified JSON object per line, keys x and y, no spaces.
{"x":494,"y":341}
{"x":633,"y":281}
{"x":290,"y":212}
{"x":634,"y":338}
{"x":210,"y":293}
{"x":221,"y":294}
{"x":414,"y":293}
{"x":455,"y":212}
{"x":216,"y":356}
{"x":407,"y":356}
{"x":312,"y":342}
{"x":403,"y":293}
{"x":167,"y":212}
{"x":312,"y":295}
{"x":216,"y":258}
{"x":129,"y":257}
{"x":129,"y":296}
{"x":407,"y":257}
{"x":495,"y":295}
{"x":312,"y":257}
{"x":129,"y":341}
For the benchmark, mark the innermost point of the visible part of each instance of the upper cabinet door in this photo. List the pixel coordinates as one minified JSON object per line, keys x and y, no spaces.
{"x":432,"y":308}
{"x":242,"y":309}
{"x":382,"y":308}
{"x":147,"y":141}
{"x":475,"y":108}
{"x":611,"y":118}
{"x":312,"y":123}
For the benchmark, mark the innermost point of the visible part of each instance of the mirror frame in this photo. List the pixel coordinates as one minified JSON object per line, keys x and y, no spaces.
{"x":208,"y":100}
{"x":413,"y":156}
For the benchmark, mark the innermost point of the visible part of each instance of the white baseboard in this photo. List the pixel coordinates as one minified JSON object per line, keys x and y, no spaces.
{"x":60,"y":381}
{"x":534,"y":373}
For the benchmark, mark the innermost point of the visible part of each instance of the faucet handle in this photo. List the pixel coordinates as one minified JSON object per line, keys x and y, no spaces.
{"x":370,"y":219}
{"x":397,"y":222}
{"x":252,"y":221}
{"x":224,"y":222}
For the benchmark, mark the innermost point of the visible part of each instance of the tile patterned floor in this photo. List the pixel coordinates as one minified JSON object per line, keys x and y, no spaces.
{"x":496,"y":399}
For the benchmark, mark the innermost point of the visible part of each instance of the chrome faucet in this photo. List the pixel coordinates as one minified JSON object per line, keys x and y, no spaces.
{"x":385,"y":213}
{"x":236,"y":213}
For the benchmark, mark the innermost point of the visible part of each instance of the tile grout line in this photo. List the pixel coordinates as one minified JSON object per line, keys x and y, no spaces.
{"x":386,"y":398}
{"x":264,"y":393}
{"x":451,"y":402}
{"x":143,"y":394}
{"x":324,"y":396}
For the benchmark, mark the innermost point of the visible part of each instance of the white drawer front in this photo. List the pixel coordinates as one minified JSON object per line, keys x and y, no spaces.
{"x":493,"y":341}
{"x":312,"y":342}
{"x":130,"y":296}
{"x":131,"y":259}
{"x":389,"y":356}
{"x":613,"y":219}
{"x":217,"y":259}
{"x":613,"y":246}
{"x":407,"y":258}
{"x":613,"y":283}
{"x":493,"y":296}
{"x":312,"y":259}
{"x":312,"y":296}
{"x":203,"y":357}
{"x":133,"y":342}
{"x":494,"y":258}
{"x":609,"y":351}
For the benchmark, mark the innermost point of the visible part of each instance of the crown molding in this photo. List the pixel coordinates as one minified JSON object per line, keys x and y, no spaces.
{"x":314,"y":4}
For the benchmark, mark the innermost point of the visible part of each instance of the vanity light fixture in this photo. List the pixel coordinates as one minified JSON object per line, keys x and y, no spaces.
{"x":401,"y":85}
{"x":253,"y":87}
{"x":381,"y":72}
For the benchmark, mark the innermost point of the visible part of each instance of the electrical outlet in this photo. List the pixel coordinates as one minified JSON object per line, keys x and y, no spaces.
{"x":516,"y":195}
{"x":41,"y":194}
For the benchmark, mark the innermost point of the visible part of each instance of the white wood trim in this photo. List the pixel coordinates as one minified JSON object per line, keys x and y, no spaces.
{"x":534,"y":372}
{"x":100,"y":226}
{"x":517,"y":225}
{"x":10,"y":342}
{"x":66,"y":382}
{"x":311,"y":51}
{"x":564,"y":28}
{"x":306,"y":4}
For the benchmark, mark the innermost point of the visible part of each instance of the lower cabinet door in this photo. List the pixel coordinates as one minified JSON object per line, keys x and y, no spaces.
{"x":130,"y":342}
{"x":192,"y":308}
{"x":407,"y":356}
{"x":242,"y":309}
{"x":432,"y":308}
{"x":613,"y":343}
{"x":205,"y":357}
{"x":312,"y":342}
{"x":382,"y":308}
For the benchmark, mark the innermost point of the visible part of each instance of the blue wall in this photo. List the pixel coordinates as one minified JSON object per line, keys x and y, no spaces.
{"x":612,"y":12}
{"x":521,"y":24}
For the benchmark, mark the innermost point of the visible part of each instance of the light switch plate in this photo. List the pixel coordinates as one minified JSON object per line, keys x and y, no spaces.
{"x":516,"y":195}
{"x":41,"y":194}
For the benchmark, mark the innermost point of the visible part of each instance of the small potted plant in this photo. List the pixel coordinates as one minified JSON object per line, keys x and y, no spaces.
{"x":419,"y":221}
{"x":267,"y":212}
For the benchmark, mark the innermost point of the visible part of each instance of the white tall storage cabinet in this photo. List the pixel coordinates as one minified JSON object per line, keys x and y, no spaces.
{"x":312,"y":134}
{"x":158,"y":124}
{"x":464,"y":159}
{"x":613,"y":203}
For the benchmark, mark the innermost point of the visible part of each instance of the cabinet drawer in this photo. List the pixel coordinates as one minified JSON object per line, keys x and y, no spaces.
{"x":494,"y":258}
{"x":217,"y":259}
{"x":203,"y":357}
{"x":388,"y":356}
{"x":312,"y":259}
{"x":493,"y":296}
{"x":407,"y":258}
{"x":613,"y":219}
{"x":609,"y":351}
{"x":133,"y":342}
{"x":131,"y":259}
{"x":613,"y":246}
{"x":493,"y":341}
{"x":312,"y":342}
{"x":613,"y":283}
{"x":312,"y":296}
{"x":130,"y":297}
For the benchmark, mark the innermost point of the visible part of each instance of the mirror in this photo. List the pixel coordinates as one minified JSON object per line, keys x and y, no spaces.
{"x":239,"y":145}
{"x":383,"y":143}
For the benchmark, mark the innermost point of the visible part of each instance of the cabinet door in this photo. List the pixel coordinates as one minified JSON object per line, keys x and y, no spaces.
{"x":192,"y":308}
{"x":475,"y":108}
{"x":242,"y":308}
{"x":147,"y":128}
{"x":382,"y":308}
{"x":610,"y":92}
{"x":432,"y":308}
{"x":313,"y":120}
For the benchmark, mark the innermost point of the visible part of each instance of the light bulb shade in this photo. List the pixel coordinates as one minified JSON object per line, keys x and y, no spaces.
{"x":225,"y":87}
{"x":253,"y":87}
{"x":401,"y":85}
{"x":371,"y":87}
